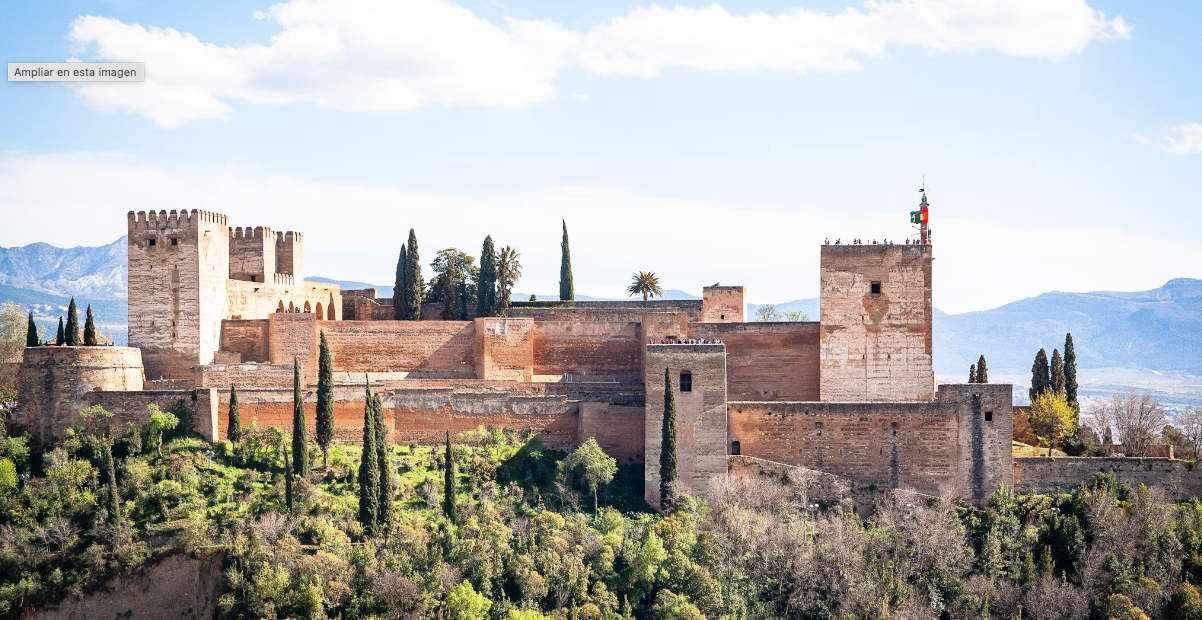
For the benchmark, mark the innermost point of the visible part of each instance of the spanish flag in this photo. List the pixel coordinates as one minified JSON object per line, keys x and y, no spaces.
{"x":918,"y":217}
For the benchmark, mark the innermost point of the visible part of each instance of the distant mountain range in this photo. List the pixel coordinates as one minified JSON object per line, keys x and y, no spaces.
{"x":1148,"y":340}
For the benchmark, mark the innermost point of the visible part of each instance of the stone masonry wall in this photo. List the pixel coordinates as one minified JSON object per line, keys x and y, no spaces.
{"x":504,"y":349}
{"x":986,"y":448}
{"x":599,"y":349}
{"x":55,"y":383}
{"x":424,"y":349}
{"x":620,"y":431}
{"x":701,"y":419}
{"x":767,"y":361}
{"x":245,"y":376}
{"x":132,"y":407}
{"x":294,"y":336}
{"x":251,"y":339}
{"x":876,"y":347}
{"x":722,"y":304}
{"x":1041,"y":474}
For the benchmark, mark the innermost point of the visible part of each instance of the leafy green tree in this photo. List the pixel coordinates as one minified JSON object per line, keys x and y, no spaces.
{"x":464,"y":603}
{"x":31,"y":333}
{"x":1041,"y":375}
{"x":645,"y":283}
{"x":597,"y":467}
{"x":415,"y":285}
{"x":8,"y":477}
{"x":300,"y":433}
{"x":158,"y":423}
{"x":486,"y":280}
{"x":1070,"y":373}
{"x":233,"y":430}
{"x":384,"y":515}
{"x":667,"y":455}
{"x":972,"y":373}
{"x":400,"y":289}
{"x":567,"y":290}
{"x":765,"y":313}
{"x":982,"y":371}
{"x":325,"y":400}
{"x":452,"y":269}
{"x":61,"y":338}
{"x":509,"y":271}
{"x":369,"y":468}
{"x":1057,"y":371}
{"x":72,"y":332}
{"x":1185,"y":603}
{"x":450,"y":504}
{"x":670,"y":606}
{"x":1051,"y":418}
{"x":89,"y":329}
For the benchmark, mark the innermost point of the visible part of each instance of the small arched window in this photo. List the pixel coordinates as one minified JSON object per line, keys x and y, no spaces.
{"x":281,"y":306}
{"x":686,"y":381}
{"x":308,"y":308}
{"x":319,"y":315}
{"x":291,"y":308}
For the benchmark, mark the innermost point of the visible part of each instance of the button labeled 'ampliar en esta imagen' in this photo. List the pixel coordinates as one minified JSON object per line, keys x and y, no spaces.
{"x":76,"y":71}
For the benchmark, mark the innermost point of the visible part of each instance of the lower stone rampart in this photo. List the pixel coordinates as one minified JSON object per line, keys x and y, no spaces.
{"x":1041,"y":474}
{"x":133,"y":407}
{"x":813,"y":486}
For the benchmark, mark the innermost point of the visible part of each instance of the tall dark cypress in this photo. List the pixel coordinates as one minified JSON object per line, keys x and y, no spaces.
{"x":450,"y":505}
{"x":112,"y":499}
{"x":369,"y":470}
{"x":31,"y":333}
{"x":300,"y":434}
{"x":72,"y":325}
{"x":972,"y":373}
{"x":567,"y":292}
{"x":414,"y":283}
{"x":667,"y":455}
{"x":89,"y":329}
{"x":1041,"y":375}
{"x":486,"y":280}
{"x":325,"y":400}
{"x":383,"y":458}
{"x":233,"y":430}
{"x":400,"y":288}
{"x":1070,"y":373}
{"x":61,"y":338}
{"x":982,"y":371}
{"x":462,"y":294}
{"x":1057,"y":372}
{"x":287,"y":482}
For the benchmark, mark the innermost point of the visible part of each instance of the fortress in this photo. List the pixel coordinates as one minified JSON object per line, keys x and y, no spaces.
{"x":852,"y":394}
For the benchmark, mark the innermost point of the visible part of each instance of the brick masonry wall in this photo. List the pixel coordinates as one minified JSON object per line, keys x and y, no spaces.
{"x":876,"y":347}
{"x":505,"y":349}
{"x":618,"y":430}
{"x":251,"y":339}
{"x":132,"y":407}
{"x":701,"y":417}
{"x":601,"y":350}
{"x":895,"y":445}
{"x":767,"y":360}
{"x":294,"y":336}
{"x":622,"y":394}
{"x":424,"y":349}
{"x":1049,"y":474}
{"x":722,"y":304}
{"x":245,"y":376}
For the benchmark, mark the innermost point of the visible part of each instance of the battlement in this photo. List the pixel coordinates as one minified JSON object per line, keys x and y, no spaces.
{"x":287,"y":237}
{"x":258,"y":232}
{"x":143,"y":220}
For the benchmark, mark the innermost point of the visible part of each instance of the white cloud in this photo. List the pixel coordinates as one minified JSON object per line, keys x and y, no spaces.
{"x":1188,"y":140}
{"x":354,"y":232}
{"x":383,"y":56}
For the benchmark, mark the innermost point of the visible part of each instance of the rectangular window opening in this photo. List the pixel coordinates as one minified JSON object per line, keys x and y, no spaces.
{"x":173,"y":241}
{"x":150,"y":242}
{"x":735,"y":448}
{"x":876,"y":288}
{"x":686,"y":381}
{"x":988,"y":416}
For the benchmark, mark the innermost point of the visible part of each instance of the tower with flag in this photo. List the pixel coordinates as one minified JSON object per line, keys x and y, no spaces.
{"x":920,"y":217}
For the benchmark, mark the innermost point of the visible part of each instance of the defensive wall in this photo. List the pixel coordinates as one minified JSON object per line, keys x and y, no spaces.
{"x":1041,"y":474}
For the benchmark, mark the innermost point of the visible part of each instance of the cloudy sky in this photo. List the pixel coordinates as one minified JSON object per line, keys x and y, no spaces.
{"x":1060,"y":140}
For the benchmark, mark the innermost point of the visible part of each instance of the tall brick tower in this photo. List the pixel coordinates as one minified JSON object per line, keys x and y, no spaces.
{"x":876,"y":323}
{"x":178,"y":267}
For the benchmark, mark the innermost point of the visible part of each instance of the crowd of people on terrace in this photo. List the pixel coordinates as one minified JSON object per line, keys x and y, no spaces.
{"x":684,"y":341}
{"x":874,"y":242}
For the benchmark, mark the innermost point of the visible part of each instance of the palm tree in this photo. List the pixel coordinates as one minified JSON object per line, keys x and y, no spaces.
{"x":647,"y":283}
{"x":509,"y":271}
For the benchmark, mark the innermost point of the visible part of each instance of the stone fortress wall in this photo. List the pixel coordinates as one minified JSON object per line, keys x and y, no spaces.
{"x":852,"y":394}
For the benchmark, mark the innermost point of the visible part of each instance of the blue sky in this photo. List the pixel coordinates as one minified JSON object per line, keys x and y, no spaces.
{"x":1061,"y":140}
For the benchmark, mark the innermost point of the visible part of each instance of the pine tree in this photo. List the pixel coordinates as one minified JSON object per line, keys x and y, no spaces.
{"x":414,"y":284}
{"x":486,"y":280}
{"x":383,"y":457}
{"x":982,"y":371}
{"x":72,"y":332}
{"x":667,"y":454}
{"x":1041,"y":375}
{"x":300,"y":435}
{"x":369,"y":471}
{"x":325,"y":400}
{"x":31,"y":333}
{"x":1057,"y":372}
{"x":89,"y":329}
{"x":287,"y":482}
{"x":450,"y":505}
{"x":400,"y":289}
{"x":567,"y":292}
{"x":61,"y":338}
{"x":233,"y":431}
{"x":1070,"y":373}
{"x":972,"y":373}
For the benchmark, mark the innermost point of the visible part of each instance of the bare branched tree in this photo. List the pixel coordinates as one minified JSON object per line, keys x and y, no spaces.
{"x":1137,"y":420}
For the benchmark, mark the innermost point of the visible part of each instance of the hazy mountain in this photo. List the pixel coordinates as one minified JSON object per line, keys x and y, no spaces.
{"x":669,"y":294}
{"x":808,"y":307}
{"x":93,"y":272}
{"x":382,"y":290}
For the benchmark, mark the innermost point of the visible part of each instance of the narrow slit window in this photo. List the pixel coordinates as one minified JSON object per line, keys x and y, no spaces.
{"x":876,"y":288}
{"x":893,"y":427}
{"x":686,"y":381}
{"x":735,"y":448}
{"x":818,"y":427}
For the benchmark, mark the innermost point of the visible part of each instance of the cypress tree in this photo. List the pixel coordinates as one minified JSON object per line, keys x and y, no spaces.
{"x":972,"y":373}
{"x":1041,"y":376}
{"x":982,"y":371}
{"x":31,"y":333}
{"x":112,"y":499}
{"x":1057,"y":372}
{"x":463,"y":299}
{"x":567,"y":291}
{"x":400,"y":289}
{"x":325,"y":400}
{"x":667,"y":454}
{"x":450,"y":507}
{"x":1070,"y":373}
{"x":233,"y":431}
{"x":486,"y":280}
{"x":61,"y":338}
{"x":383,"y":454}
{"x":300,"y":435}
{"x":72,"y":325}
{"x":287,"y":482}
{"x":414,"y":285}
{"x":89,"y":330}
{"x":369,"y":472}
